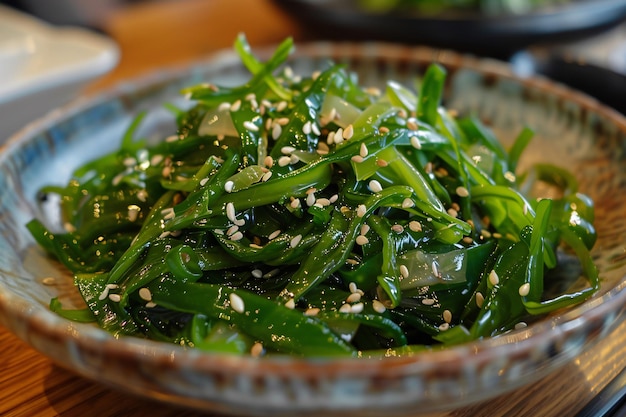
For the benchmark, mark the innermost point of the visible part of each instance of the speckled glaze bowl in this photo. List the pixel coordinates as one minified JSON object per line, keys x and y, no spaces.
{"x":571,"y":130}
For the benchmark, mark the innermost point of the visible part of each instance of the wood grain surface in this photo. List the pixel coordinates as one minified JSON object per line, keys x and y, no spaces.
{"x":173,"y":32}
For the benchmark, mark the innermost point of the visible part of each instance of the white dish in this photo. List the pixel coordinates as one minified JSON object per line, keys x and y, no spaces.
{"x":43,"y":66}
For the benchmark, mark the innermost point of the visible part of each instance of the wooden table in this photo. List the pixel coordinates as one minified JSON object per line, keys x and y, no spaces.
{"x":169,"y":32}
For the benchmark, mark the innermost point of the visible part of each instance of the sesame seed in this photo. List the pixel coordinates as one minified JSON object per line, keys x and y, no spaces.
{"x":266,"y":176}
{"x":447,"y":316}
{"x":142,"y":195}
{"x":362,"y":240}
{"x":493,"y":278}
{"x":361,"y":210}
{"x":363,"y":151}
{"x":228,"y":186}
{"x":378,"y":306}
{"x":339,"y":135}
{"x":345,"y":308}
{"x":348,"y":132}
{"x":145,"y":294}
{"x":462,"y":191}
{"x":397,"y":228}
{"x":235,"y":106}
{"x":257,"y":350}
{"x":281,"y":105}
{"x":168,"y":213}
{"x":306,"y":128}
{"x":277,"y":130}
{"x":357,"y":308}
{"x":415,"y":142}
{"x":375,"y":186}
{"x":407,"y":203}
{"x":171,"y":138}
{"x":332,"y":115}
{"x":411,"y":123}
{"x":290,"y":304}
{"x":232,"y":229}
{"x":383,"y":129}
{"x":295,"y":241}
{"x":444,"y":326}
{"x":274,"y":234}
{"x":116,"y":298}
{"x":365,"y":228}
{"x":223,"y":106}
{"x":315,"y":129}
{"x":236,"y":303}
{"x":239,"y":222}
{"x":520,"y":325}
{"x":272,"y":273}
{"x":151,"y":304}
{"x":236,"y":236}
{"x":415,"y":226}
{"x":524,"y":289}
{"x":166,"y":171}
{"x":203,"y":182}
{"x":428,"y":301}
{"x":353,"y":287}
{"x":48,"y":281}
{"x":480,"y":299}
{"x":257,"y":273}
{"x":333,"y":198}
{"x":310,"y":199}
{"x":230,"y":212}
{"x":287,"y":150}
{"x":404,"y":271}
{"x":282,"y":121}
{"x":295,"y":203}
{"x":353,"y":297}
{"x":313,"y":311}
{"x":250,"y":126}
{"x":283,"y":161}
{"x":104,"y":294}
{"x":357,"y":158}
{"x":452,"y":212}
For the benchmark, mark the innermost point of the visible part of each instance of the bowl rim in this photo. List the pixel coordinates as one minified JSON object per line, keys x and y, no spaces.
{"x":49,"y":325}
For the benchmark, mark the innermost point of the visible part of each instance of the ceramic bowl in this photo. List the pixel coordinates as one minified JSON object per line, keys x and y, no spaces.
{"x":571,"y":130}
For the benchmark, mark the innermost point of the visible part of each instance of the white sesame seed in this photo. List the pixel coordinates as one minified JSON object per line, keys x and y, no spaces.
{"x":357,"y":158}
{"x":493,"y":278}
{"x":339,"y":134}
{"x":287,"y":150}
{"x":361,"y":210}
{"x":310,"y":199}
{"x":353,"y":287}
{"x":277,"y":130}
{"x":415,"y":142}
{"x":375,"y":186}
{"x":365,"y":228}
{"x":235,"y":106}
{"x":428,"y":301}
{"x":524,"y":289}
{"x":452,"y":212}
{"x":397,"y":228}
{"x":281,"y":105}
{"x":151,"y":304}
{"x":378,"y":306}
{"x":382,"y":163}
{"x":166,"y":171}
{"x":315,"y":129}
{"x":203,"y":182}
{"x":404,"y":271}
{"x":306,"y":128}
{"x":444,"y":326}
{"x":283,"y":161}
{"x":48,"y":281}
{"x":348,"y":132}
{"x":239,"y":222}
{"x":282,"y":121}
{"x":313,"y":311}
{"x":447,"y":316}
{"x":223,"y":106}
{"x":266,"y":176}
{"x":357,"y":308}
{"x":480,"y":299}
{"x":295,"y":203}
{"x":363,"y":151}
{"x":333,"y":198}
{"x":462,"y":191}
{"x":250,"y":126}
{"x":116,"y":298}
{"x":104,"y":294}
{"x":268,"y":161}
{"x":407,"y":203}
{"x":353,"y":297}
{"x":171,"y":138}
{"x":168,"y":213}
{"x":145,"y":294}
{"x":295,"y":241}
{"x":290,"y":304}
{"x":345,"y":308}
{"x":256,"y":350}
{"x":257,"y":273}
{"x":274,"y":234}
{"x":230,"y":212}
{"x":415,"y":226}
{"x":231,"y":230}
{"x":236,"y":303}
{"x":228,"y":186}
{"x":362,"y":240}
{"x":236,"y":236}
{"x":411,"y":123}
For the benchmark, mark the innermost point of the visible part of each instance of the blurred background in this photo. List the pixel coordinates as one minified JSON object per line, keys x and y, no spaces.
{"x":84,"y":46}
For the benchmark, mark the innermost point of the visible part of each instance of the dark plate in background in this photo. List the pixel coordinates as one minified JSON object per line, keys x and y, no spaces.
{"x":497,"y":36}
